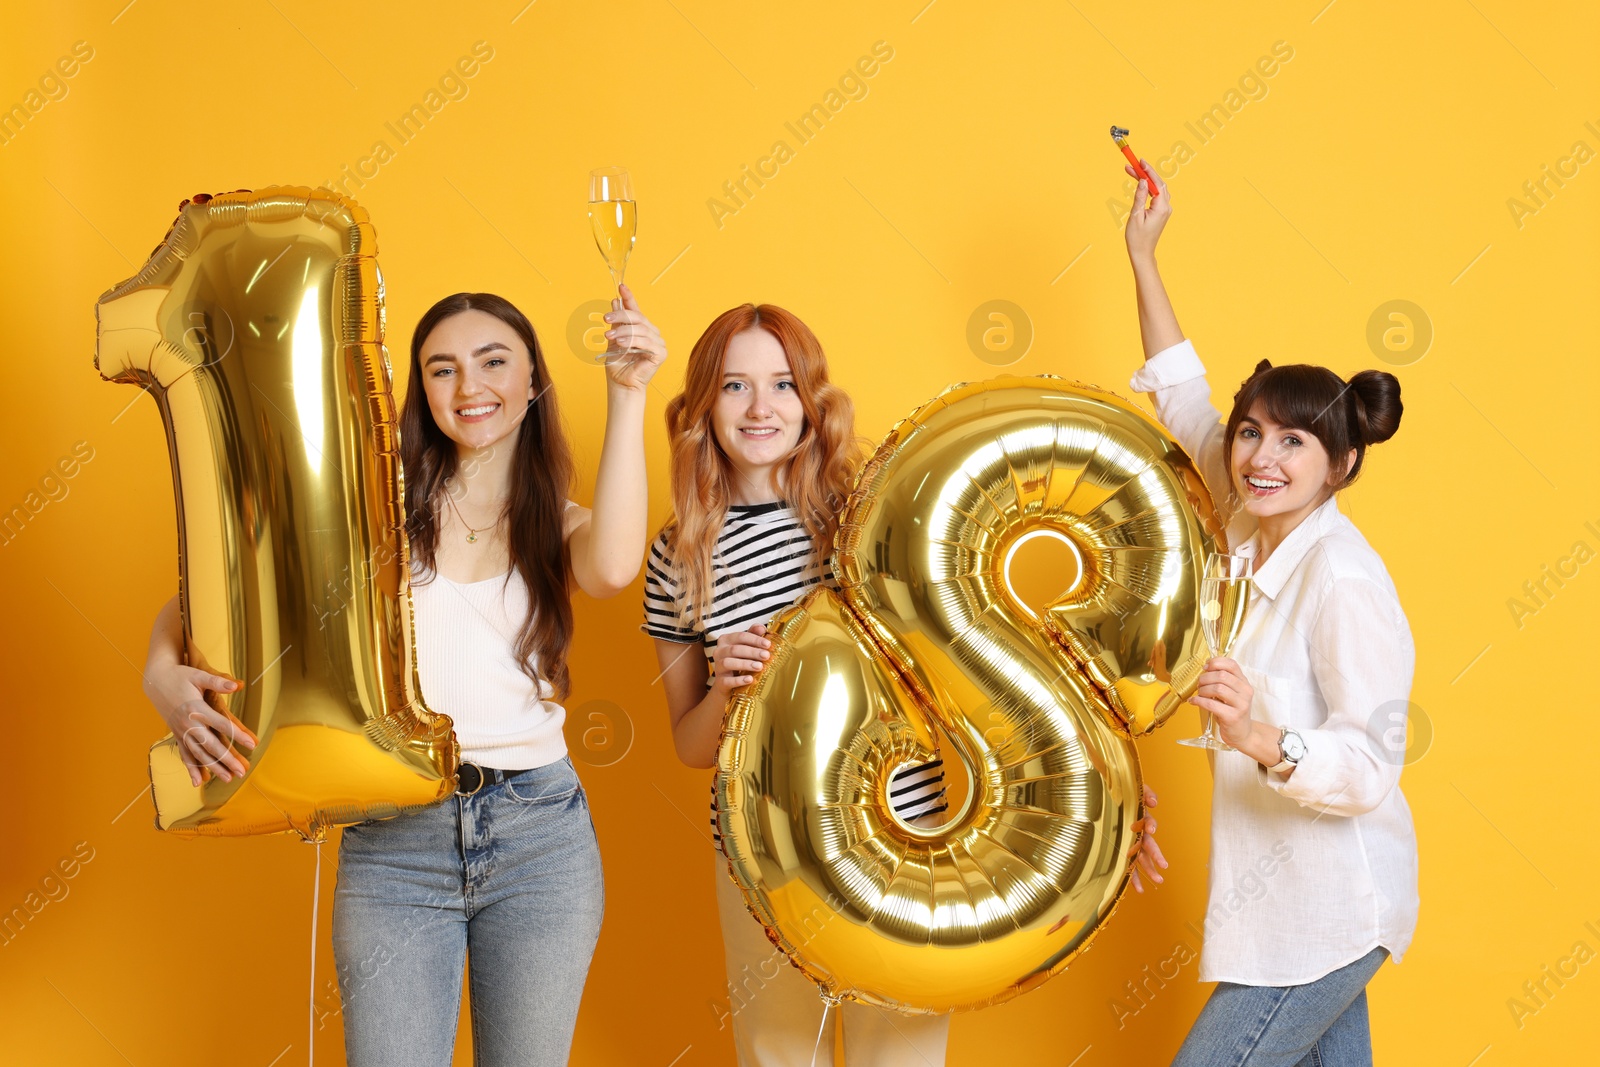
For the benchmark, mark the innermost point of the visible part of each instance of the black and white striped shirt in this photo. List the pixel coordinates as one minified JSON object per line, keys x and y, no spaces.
{"x":762,"y":562}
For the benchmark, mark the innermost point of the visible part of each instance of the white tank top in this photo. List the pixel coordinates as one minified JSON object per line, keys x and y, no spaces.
{"x":466,"y":636}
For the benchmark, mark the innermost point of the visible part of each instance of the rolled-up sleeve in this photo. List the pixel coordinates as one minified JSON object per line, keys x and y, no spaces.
{"x":1176,"y":379}
{"x":1363,"y":659}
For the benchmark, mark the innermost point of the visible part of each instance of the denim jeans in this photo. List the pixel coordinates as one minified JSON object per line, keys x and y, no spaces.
{"x":1319,"y":1024}
{"x":509,"y":878}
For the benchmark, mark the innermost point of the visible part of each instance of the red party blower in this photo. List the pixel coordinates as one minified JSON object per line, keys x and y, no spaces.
{"x":1120,"y":135}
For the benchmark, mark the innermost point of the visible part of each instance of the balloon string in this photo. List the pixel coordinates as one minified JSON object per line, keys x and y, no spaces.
{"x":311,"y":1021}
{"x":827,"y":1011}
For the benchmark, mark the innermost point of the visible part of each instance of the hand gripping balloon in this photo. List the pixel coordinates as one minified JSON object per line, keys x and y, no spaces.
{"x":257,"y":326}
{"x":928,"y":641}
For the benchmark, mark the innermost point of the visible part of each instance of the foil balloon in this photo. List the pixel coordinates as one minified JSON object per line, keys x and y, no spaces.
{"x":257,"y":326}
{"x":931,"y":653}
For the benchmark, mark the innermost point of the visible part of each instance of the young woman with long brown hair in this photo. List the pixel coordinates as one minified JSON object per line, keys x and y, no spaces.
{"x":508,"y":870}
{"x":1313,"y":857}
{"x":763,"y":454}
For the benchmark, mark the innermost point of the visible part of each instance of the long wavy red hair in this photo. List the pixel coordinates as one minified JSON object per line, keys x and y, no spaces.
{"x":815,"y":478}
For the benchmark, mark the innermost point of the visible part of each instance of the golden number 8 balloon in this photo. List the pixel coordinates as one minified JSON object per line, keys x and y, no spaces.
{"x":930,"y":652}
{"x":257,"y":326}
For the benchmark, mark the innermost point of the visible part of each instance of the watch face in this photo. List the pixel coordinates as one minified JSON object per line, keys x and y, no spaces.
{"x":1294,"y":748}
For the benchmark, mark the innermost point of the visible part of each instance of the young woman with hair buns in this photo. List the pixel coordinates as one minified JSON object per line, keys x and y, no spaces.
{"x":1313,"y":879}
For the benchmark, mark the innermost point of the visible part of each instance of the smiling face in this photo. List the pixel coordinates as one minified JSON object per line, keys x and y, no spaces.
{"x":1280,"y":473}
{"x":479,"y":378}
{"x":758,"y":417}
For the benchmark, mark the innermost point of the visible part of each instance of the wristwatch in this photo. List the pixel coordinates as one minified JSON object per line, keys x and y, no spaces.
{"x":1291,"y":750}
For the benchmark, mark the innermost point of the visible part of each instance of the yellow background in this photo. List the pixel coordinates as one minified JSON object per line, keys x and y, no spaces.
{"x":1377,"y":167}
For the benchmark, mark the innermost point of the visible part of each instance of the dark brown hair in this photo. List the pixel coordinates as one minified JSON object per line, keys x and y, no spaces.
{"x":1340,"y":415}
{"x":541,"y":477}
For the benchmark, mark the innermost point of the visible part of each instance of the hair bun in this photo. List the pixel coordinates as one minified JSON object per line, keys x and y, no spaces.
{"x":1262,"y":367}
{"x":1377,"y":404}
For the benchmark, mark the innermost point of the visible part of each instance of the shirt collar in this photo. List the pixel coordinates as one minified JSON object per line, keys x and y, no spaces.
{"x":1270,"y":576}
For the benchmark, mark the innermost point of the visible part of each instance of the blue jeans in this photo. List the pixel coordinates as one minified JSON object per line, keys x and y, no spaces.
{"x":510,"y":876}
{"x":1319,"y":1024}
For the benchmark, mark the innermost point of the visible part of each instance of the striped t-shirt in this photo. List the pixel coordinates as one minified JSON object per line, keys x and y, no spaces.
{"x":763,"y":562}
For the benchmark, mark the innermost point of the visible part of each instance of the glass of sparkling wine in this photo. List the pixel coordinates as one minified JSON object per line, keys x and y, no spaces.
{"x":615,"y":219}
{"x":1224,"y":592}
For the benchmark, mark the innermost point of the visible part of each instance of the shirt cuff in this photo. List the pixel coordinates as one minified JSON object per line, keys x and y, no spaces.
{"x":1305,"y":786}
{"x":1170,"y":366}
{"x":682,"y":637}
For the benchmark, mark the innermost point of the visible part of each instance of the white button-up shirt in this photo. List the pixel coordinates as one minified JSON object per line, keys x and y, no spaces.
{"x":1310,"y":872}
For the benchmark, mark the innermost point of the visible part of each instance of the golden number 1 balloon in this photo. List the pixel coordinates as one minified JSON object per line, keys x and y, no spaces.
{"x":257,"y":326}
{"x":930,"y":651}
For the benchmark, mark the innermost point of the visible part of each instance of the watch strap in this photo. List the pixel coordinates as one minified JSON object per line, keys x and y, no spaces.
{"x":1284,"y":763}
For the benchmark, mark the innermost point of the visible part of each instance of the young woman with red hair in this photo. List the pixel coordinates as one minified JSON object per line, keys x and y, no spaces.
{"x":763,"y":452}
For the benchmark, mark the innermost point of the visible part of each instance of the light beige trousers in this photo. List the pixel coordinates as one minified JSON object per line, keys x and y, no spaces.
{"x":776,"y":1012}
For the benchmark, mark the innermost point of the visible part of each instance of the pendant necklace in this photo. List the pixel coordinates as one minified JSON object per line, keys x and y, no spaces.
{"x":472,"y":535}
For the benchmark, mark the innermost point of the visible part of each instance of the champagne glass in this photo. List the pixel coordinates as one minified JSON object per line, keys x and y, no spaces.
{"x":1224,"y":592}
{"x":615,"y":219}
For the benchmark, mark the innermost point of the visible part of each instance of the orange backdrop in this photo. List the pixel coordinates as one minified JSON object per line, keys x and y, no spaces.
{"x":1327,"y":161}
